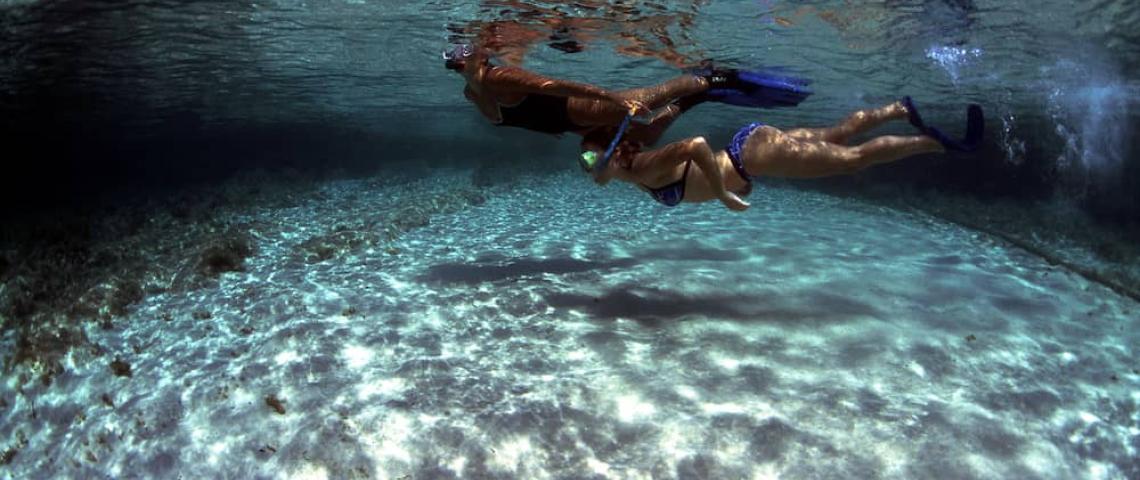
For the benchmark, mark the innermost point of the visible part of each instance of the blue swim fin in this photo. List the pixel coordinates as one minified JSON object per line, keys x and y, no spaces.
{"x":975,"y":127}
{"x":760,"y":89}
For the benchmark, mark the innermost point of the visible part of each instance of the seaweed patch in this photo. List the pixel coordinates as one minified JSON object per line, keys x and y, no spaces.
{"x":276,"y":404}
{"x":121,"y":368}
{"x":10,"y":453}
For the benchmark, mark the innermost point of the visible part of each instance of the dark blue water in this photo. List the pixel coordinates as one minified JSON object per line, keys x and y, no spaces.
{"x":208,"y":204}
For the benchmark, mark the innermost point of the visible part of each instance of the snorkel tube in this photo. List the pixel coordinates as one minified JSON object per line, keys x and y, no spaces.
{"x":589,"y":160}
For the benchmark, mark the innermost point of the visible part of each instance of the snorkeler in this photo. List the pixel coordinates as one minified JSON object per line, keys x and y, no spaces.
{"x":512,"y":96}
{"x":690,"y":171}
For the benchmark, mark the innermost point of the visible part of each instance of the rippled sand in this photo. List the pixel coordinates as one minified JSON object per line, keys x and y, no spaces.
{"x":535,"y":336}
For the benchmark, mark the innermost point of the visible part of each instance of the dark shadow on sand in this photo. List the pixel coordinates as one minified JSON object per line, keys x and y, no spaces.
{"x":693,"y":252}
{"x":490,"y":270}
{"x":652,"y":306}
{"x":476,"y":273}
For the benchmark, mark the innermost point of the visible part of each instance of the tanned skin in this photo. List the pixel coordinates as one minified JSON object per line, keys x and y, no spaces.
{"x":489,"y":87}
{"x":768,"y":151}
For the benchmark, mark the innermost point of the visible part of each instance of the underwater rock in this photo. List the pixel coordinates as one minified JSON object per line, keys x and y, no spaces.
{"x":699,"y":466}
{"x":771,"y":439}
{"x":225,"y":253}
{"x":336,"y":244}
{"x":411,"y":217}
{"x":42,"y":346}
{"x":49,"y":372}
{"x":106,"y":398}
{"x":406,"y":214}
{"x":417,"y":212}
{"x":202,"y":315}
{"x":125,"y":293}
{"x":7,"y":456}
{"x":121,"y":368}
{"x":36,"y":284}
{"x":276,"y":404}
{"x":109,"y":299}
{"x":10,"y":452}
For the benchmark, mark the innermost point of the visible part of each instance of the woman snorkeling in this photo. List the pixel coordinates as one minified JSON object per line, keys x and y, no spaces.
{"x":690,"y":171}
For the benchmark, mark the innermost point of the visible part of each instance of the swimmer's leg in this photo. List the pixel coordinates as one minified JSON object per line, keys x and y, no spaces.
{"x":856,"y":123}
{"x":975,"y":127}
{"x":586,"y":112}
{"x":770,"y":152}
{"x":652,"y":131}
{"x":663,"y":94}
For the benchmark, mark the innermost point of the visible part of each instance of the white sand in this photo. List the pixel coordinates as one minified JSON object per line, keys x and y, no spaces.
{"x":532,"y":337}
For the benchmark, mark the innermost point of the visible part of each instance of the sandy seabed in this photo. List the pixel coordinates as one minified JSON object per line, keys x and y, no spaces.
{"x":531,"y":335}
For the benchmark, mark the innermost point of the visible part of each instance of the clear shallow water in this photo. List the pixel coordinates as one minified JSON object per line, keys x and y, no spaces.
{"x":367,"y":61}
{"x":359,"y":83}
{"x":409,"y":328}
{"x":810,"y":337}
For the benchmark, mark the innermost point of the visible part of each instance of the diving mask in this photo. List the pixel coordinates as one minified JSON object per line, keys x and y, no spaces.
{"x":457,"y":55}
{"x":459,"y":51}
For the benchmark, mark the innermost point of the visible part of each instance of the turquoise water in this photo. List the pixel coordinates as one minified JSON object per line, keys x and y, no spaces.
{"x":299,"y":253}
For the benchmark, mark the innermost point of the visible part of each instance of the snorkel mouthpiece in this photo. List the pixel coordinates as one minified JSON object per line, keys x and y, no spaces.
{"x":588,"y":160}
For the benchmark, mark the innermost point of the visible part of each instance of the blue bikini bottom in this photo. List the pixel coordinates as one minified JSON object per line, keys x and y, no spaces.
{"x":736,"y":145}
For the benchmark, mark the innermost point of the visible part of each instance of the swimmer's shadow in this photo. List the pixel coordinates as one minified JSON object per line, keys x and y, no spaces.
{"x":652,"y":307}
{"x":473,"y":273}
{"x":501,"y":270}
